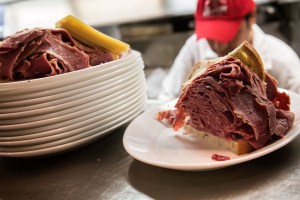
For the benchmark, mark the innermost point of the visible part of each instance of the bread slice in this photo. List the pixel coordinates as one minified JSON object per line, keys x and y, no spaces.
{"x":199,"y":68}
{"x":237,"y":147}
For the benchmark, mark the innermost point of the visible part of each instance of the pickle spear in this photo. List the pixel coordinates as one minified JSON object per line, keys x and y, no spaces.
{"x":90,"y":36}
{"x":249,"y":56}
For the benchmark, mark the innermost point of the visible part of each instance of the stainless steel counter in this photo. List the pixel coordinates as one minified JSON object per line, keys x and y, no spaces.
{"x":104,"y":170}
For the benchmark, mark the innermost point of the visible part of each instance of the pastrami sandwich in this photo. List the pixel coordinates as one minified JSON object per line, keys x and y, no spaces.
{"x":233,"y":103}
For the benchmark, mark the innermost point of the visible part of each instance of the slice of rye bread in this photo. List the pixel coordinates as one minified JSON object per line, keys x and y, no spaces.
{"x":237,"y":147}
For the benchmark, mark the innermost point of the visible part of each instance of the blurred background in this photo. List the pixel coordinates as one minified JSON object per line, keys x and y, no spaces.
{"x":156,"y":28}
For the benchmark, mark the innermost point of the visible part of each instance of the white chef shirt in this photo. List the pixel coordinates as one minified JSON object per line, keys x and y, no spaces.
{"x":278,"y":58}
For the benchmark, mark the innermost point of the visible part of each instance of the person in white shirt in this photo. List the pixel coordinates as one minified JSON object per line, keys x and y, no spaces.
{"x":220,"y":27}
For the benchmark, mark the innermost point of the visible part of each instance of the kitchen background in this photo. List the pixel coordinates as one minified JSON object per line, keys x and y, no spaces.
{"x":156,"y":28}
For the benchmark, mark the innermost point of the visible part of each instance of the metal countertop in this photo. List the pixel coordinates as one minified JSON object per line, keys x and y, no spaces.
{"x":104,"y":170}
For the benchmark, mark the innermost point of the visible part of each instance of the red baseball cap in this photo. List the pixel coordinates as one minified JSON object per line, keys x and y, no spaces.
{"x":220,"y":19}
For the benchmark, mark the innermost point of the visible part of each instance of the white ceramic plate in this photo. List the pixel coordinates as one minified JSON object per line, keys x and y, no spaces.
{"x":84,"y":113}
{"x":74,"y":129}
{"x":151,"y":142}
{"x":62,"y":126}
{"x":84,"y":131}
{"x":18,"y":95}
{"x":66,"y":78}
{"x":63,"y":101}
{"x":71,"y":145}
{"x":40,"y":97}
{"x":61,"y":146}
{"x":103,"y":74}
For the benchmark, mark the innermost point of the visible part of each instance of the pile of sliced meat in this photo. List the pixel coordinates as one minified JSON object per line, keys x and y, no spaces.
{"x":34,"y":53}
{"x":232,"y":102}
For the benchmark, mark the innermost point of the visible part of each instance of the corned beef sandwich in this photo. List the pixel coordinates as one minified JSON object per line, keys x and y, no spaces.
{"x":233,"y":103}
{"x":34,"y":53}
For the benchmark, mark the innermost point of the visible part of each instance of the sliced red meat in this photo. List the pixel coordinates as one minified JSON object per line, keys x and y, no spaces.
{"x":34,"y":53}
{"x":230,"y":101}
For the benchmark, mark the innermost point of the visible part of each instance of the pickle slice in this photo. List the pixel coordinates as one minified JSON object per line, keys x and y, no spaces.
{"x":90,"y":36}
{"x":250,"y":57}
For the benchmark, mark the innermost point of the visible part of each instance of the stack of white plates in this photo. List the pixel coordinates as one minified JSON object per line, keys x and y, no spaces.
{"x":58,"y":113}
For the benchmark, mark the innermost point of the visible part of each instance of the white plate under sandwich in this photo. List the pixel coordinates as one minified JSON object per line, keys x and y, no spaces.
{"x":152,"y":142}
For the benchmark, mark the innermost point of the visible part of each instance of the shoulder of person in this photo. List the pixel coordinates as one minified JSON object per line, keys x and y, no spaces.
{"x":273,"y":47}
